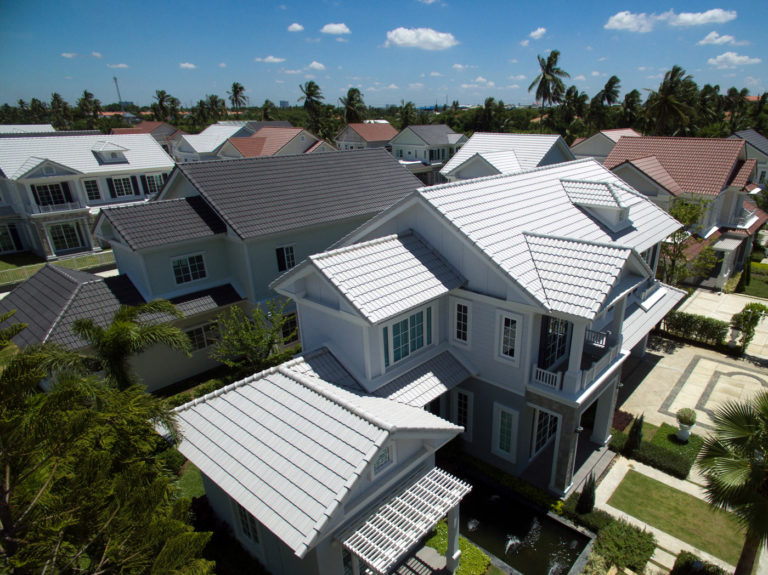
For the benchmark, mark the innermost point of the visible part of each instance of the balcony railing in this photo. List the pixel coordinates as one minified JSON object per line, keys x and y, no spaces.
{"x":597,"y":357}
{"x":591,"y":374}
{"x":596,"y":338}
{"x":548,"y":378}
{"x":744,"y":218}
{"x":51,"y":208}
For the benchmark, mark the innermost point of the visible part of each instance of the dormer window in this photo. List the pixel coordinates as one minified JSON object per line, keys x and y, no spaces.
{"x":407,"y":335}
{"x":109,"y":153}
{"x":383,"y":460}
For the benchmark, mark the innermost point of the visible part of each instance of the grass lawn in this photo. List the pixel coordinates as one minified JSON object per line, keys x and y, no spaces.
{"x":681,"y":515}
{"x":472,"y":562}
{"x":190,"y":481}
{"x":758,"y":286}
{"x":11,"y":261}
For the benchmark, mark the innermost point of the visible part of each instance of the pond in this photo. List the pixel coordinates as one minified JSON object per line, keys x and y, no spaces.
{"x":525,"y":539}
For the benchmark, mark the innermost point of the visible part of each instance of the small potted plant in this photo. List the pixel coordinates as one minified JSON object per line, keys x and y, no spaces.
{"x":686,"y":419}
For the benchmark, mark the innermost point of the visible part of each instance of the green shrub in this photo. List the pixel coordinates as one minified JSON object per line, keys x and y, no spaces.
{"x":472,"y":562}
{"x":625,"y":545}
{"x":172,"y":459}
{"x":759,"y":269}
{"x":595,"y":520}
{"x":618,"y":441}
{"x":635,"y":435}
{"x":662,"y":459}
{"x":179,"y":399}
{"x":596,"y":565}
{"x":586,"y":502}
{"x":686,"y":416}
{"x":696,"y":328}
{"x":666,"y":437}
{"x":208,"y":387}
{"x":688,"y":564}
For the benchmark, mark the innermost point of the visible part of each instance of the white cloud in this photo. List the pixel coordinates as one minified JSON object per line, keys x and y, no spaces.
{"x":120,"y":66}
{"x":588,"y":48}
{"x":68,"y":54}
{"x":714,"y":16}
{"x":469,"y":86}
{"x":422,"y":38}
{"x":269,"y":59}
{"x":513,"y":87}
{"x":491,"y":84}
{"x":279,"y":81}
{"x":187,"y":66}
{"x":292,"y":71}
{"x":222,"y":64}
{"x":309,"y":76}
{"x":340,"y":39}
{"x":715,"y":38}
{"x":96,"y":55}
{"x":428,"y":1}
{"x":378,"y":87}
{"x":538,"y":33}
{"x":752,"y":81}
{"x":339,"y":28}
{"x":595,"y":73}
{"x":282,"y":7}
{"x":435,"y":74}
{"x":580,"y":78}
{"x":316,"y":65}
{"x":525,"y":42}
{"x":295,"y":27}
{"x":513,"y":61}
{"x":642,"y":68}
{"x":415,"y":86}
{"x":517,"y":77}
{"x":481,"y":80}
{"x":732,"y":60}
{"x":459,"y":67}
{"x":643,"y":23}
{"x":603,"y":59}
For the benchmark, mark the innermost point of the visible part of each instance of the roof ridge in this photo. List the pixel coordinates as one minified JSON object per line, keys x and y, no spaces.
{"x":66,"y":306}
{"x":546,"y":301}
{"x":577,"y":241}
{"x":352,"y":247}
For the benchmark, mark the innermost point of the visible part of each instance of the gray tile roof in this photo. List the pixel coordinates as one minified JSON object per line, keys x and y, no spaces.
{"x":261,"y":196}
{"x":322,"y":364}
{"x":755,"y":138}
{"x":290,"y":448}
{"x":434,"y":135}
{"x":530,"y":149}
{"x":164,"y":222}
{"x":55,"y":297}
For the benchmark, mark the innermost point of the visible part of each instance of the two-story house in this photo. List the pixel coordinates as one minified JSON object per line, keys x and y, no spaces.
{"x":165,"y":134}
{"x":715,"y":171}
{"x":757,"y":149}
{"x":52,"y":188}
{"x":490,"y":154}
{"x":424,"y":149}
{"x":599,"y":145}
{"x":362,"y":135}
{"x":506,"y":304}
{"x":269,"y":141}
{"x":206,"y":144}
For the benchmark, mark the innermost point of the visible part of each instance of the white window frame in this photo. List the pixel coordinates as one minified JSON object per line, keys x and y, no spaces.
{"x":427,"y":335}
{"x":501,"y":315}
{"x":496,"y":449}
{"x":5,"y":233}
{"x":455,"y":302}
{"x":378,"y":469}
{"x":52,"y":193}
{"x":88,"y":192}
{"x":187,"y":258}
{"x":208,"y":336}
{"x":78,"y":232}
{"x":535,"y":427}
{"x":290,"y":263}
{"x":155,"y":180}
{"x":119,"y":185}
{"x":468,"y":424}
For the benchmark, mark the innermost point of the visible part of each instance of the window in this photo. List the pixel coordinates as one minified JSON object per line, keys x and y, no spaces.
{"x":122,"y":187}
{"x":285,"y":258}
{"x":203,"y":336}
{"x":66,"y":236}
{"x":49,"y":194}
{"x":554,"y":342}
{"x":504,"y":432}
{"x":154,"y":183}
{"x":189,"y":268}
{"x":762,"y":176}
{"x":248,"y":524}
{"x":545,"y":428}
{"x":461,"y":320}
{"x":383,"y":459}
{"x":9,"y":239}
{"x":462,"y":411}
{"x":290,"y":329}
{"x":407,"y":336}
{"x":92,"y":190}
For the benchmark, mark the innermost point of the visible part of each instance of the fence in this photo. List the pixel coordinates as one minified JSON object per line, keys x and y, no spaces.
{"x":79,"y":262}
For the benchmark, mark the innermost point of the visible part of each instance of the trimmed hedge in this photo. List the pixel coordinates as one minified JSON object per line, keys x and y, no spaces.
{"x":618,"y":442}
{"x":662,"y":459}
{"x":696,"y":328}
{"x":664,"y":451}
{"x":595,"y":520}
{"x":625,"y":545}
{"x":666,"y":437}
{"x":689,"y":564}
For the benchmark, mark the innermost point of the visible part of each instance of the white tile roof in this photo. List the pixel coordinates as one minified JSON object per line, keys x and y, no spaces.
{"x":640,"y":319}
{"x":576,"y":276}
{"x":26,"y":128}
{"x":289,"y":448}
{"x":601,"y":194}
{"x":322,"y":364}
{"x":427,"y":381}
{"x":19,"y":155}
{"x":529,"y":149}
{"x":495,"y":212}
{"x":387,"y":276}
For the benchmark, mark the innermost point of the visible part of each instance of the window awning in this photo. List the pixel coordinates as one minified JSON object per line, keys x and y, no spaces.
{"x":728,"y":244}
{"x":383,"y":538}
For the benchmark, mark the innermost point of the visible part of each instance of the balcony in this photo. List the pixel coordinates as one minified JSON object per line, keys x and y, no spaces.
{"x":745,"y":218}
{"x":597,"y":356}
{"x":52,"y":208}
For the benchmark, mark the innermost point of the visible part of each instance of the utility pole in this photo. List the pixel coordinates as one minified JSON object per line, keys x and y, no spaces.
{"x":119,"y":98}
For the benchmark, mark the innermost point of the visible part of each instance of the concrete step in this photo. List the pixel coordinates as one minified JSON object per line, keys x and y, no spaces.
{"x":663,"y":559}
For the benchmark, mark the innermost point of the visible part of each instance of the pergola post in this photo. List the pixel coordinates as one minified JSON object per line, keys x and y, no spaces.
{"x":452,"y":553}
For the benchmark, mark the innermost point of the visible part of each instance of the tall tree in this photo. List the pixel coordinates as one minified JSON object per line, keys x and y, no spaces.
{"x":133,"y":329}
{"x":217,"y":107}
{"x":161,"y":107}
{"x":406,"y":115}
{"x":673,"y":265}
{"x":60,"y":113}
{"x":354,"y":107}
{"x":630,"y":109}
{"x":666,"y":108}
{"x":237,"y":96}
{"x":312,"y":96}
{"x":735,"y":104}
{"x":549,"y":83}
{"x":268,"y":110}
{"x":88,"y":108}
{"x":609,"y":95}
{"x":734,"y":461}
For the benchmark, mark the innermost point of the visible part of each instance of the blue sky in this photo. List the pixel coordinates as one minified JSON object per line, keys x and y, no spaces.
{"x":425,"y":51}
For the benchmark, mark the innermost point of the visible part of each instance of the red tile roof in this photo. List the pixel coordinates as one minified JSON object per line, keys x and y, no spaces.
{"x":652,"y":168}
{"x":372,"y":132}
{"x":698,"y":165}
{"x":249,"y":147}
{"x":144,"y":127}
{"x":743,"y":173}
{"x":276,"y":138}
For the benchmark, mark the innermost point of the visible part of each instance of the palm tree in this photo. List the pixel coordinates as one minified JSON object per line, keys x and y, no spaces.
{"x":237,"y":96}
{"x":735,"y":465}
{"x":160,"y":108}
{"x":735,"y":103}
{"x":630,"y":108}
{"x":406,"y":114}
{"x":267,"y":110}
{"x":59,"y":111}
{"x":132,"y":330}
{"x":217,"y":107}
{"x":354,"y":107}
{"x":312,"y":96}
{"x":549,"y":84}
{"x":667,"y":107}
{"x":609,"y":95}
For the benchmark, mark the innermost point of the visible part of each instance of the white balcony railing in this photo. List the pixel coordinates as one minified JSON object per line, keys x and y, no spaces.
{"x":744,"y":217}
{"x":548,"y":378}
{"x":596,"y":338}
{"x":588,"y":376}
{"x":51,"y":208}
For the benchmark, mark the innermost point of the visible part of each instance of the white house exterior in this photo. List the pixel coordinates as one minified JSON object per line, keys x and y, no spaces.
{"x":757,"y":149}
{"x":490,"y":154}
{"x":599,"y":145}
{"x":206,"y":144}
{"x":506,"y":304}
{"x":424,"y":149}
{"x":363,"y":135}
{"x":270,"y":141}
{"x":52,"y":188}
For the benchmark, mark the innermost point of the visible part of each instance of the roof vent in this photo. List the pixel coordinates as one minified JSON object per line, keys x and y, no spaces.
{"x":601,"y":200}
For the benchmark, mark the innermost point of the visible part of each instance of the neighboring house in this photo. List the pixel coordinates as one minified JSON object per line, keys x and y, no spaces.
{"x":757,"y":148}
{"x":470,"y":300}
{"x":369,"y":134}
{"x":206,"y":144}
{"x":713,"y":170}
{"x":25,"y":128}
{"x":314,"y":478}
{"x":51,"y":188}
{"x":165,"y":134}
{"x":425,"y":149}
{"x":55,"y":297}
{"x":274,"y":142}
{"x":58,"y":133}
{"x":599,"y":145}
{"x":487,"y":154}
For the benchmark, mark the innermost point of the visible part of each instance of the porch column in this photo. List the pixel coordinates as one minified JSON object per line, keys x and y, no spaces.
{"x":572,"y":378}
{"x":601,"y":430}
{"x":452,"y":553}
{"x":619,"y":310}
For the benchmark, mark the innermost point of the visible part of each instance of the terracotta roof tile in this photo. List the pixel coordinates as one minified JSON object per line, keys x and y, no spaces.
{"x":651,"y":167}
{"x":371,"y":132}
{"x":249,"y":147}
{"x":743,"y":173}
{"x":698,"y":165}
